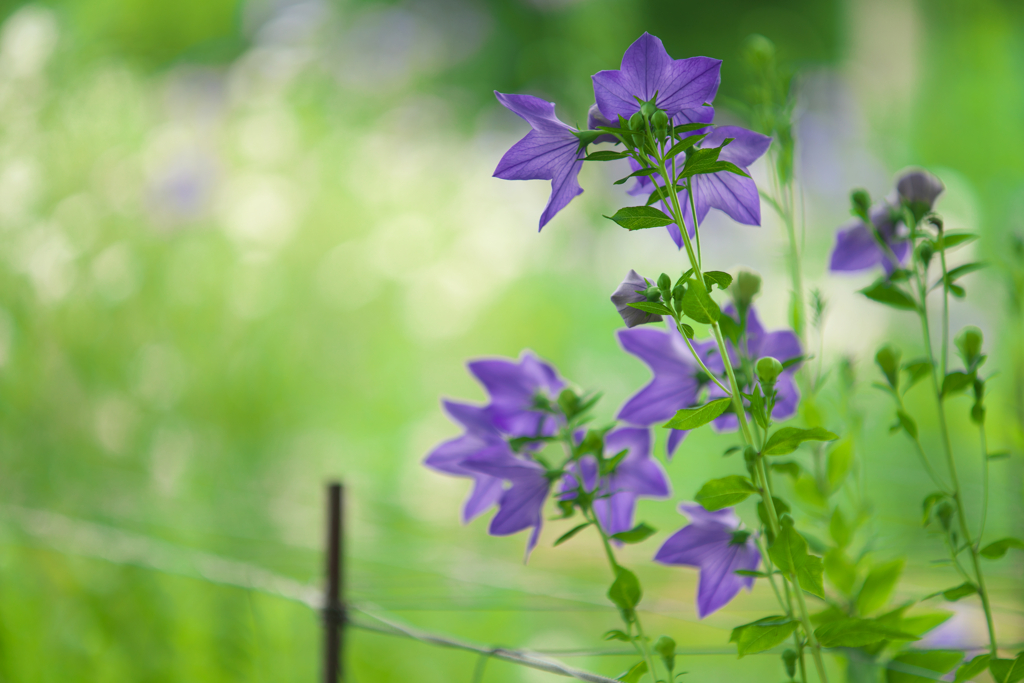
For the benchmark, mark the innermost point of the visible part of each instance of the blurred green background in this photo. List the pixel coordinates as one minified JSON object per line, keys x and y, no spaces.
{"x":247,"y":245}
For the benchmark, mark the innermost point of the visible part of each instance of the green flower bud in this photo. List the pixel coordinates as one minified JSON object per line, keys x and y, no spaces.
{"x":664,"y":283}
{"x":744,"y":288}
{"x":636,"y":122}
{"x":861,"y":201}
{"x":768,"y":370}
{"x":647,"y":109}
{"x":660,"y":119}
{"x":653,"y":294}
{"x":677,"y":295}
{"x":969,"y":342}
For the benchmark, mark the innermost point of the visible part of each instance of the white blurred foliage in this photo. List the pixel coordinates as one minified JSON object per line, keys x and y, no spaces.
{"x":115,"y":273}
{"x":27,"y":40}
{"x":161,"y":375}
{"x":115,"y":418}
{"x":172,"y":448}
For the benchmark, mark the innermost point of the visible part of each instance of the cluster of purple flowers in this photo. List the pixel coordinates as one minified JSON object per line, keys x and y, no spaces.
{"x":683,"y":88}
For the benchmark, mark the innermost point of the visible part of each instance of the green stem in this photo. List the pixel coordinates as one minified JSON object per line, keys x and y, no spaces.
{"x":920,"y":449}
{"x":951,"y":462}
{"x":984,"y":481}
{"x":737,"y":399}
{"x":696,"y":357}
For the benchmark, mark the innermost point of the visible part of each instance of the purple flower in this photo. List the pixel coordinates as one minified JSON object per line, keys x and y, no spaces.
{"x":677,"y":378}
{"x":783,"y":345}
{"x":733,"y":194}
{"x":857,"y":248}
{"x":551,"y":151}
{"x":518,"y":392}
{"x":630,"y":291}
{"x":520,"y":506}
{"x":481,"y":436}
{"x":637,"y":475}
{"x":646,"y":71}
{"x":715,"y":544}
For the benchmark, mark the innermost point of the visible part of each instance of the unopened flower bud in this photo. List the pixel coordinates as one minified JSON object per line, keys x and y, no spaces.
{"x":969,"y":342}
{"x":636,"y":122}
{"x":632,"y":291}
{"x":744,"y":288}
{"x":919,"y":190}
{"x":861,"y":201}
{"x":768,"y":370}
{"x":677,"y":295}
{"x":648,"y":109}
{"x":653,"y":294}
{"x":664,"y":283}
{"x":660,"y":119}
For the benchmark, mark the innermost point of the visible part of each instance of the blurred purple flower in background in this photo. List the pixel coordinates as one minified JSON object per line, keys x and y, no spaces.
{"x":714,"y":543}
{"x":630,"y":291}
{"x":518,"y":392}
{"x":646,"y":71}
{"x":637,"y":475}
{"x":919,"y":188}
{"x":551,"y":151}
{"x":480,"y":436}
{"x":677,"y":378}
{"x":858,"y":249}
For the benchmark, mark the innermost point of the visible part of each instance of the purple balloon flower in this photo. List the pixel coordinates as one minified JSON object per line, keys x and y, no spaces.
{"x":630,"y":291}
{"x":733,"y":194}
{"x":480,"y":436}
{"x":783,"y":345}
{"x":677,"y":378}
{"x":518,"y":391}
{"x":919,"y":188}
{"x":637,"y":475}
{"x":520,"y":506}
{"x":714,"y":543}
{"x":858,"y":249}
{"x":551,"y":151}
{"x":646,"y":71}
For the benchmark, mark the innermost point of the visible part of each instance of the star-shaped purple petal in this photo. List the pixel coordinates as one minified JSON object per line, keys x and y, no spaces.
{"x":647,"y":70}
{"x":714,"y":544}
{"x":857,"y":248}
{"x":551,"y":151}
{"x":514,"y":388}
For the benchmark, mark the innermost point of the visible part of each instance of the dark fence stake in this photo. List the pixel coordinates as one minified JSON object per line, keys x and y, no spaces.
{"x":334,"y":608}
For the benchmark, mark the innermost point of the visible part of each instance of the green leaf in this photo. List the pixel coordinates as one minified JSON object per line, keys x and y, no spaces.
{"x":890,"y":295}
{"x":606,"y":155}
{"x":999,"y":455}
{"x":810,"y":576}
{"x":571,"y":532}
{"x":625,"y":591}
{"x":640,"y":532}
{"x":915,"y":667}
{"x":922,"y":623}
{"x":634,"y":174}
{"x":1007,"y":670}
{"x":763,"y":634}
{"x":917,"y":370}
{"x":652,"y":307}
{"x":786,"y":440}
{"x":699,"y":160}
{"x":791,"y":468}
{"x":878,"y":586}
{"x":961,"y":591}
{"x":723,"y":280}
{"x":907,"y":422}
{"x":789,"y":551}
{"x":659,"y":194}
{"x":616,"y":634}
{"x":841,"y":572}
{"x":955,"y":382}
{"x":888,"y":359}
{"x":959,"y":272}
{"x":634,"y":674}
{"x":840,"y":461}
{"x":721,"y":493}
{"x":730,"y":328}
{"x":928,"y":503}
{"x":994,"y":551}
{"x":699,"y":306}
{"x":954,"y":239}
{"x":640,"y":218}
{"x":691,"y":418}
{"x":972,"y":668}
{"x":684,"y":144}
{"x":857,"y":633}
{"x":839,"y":529}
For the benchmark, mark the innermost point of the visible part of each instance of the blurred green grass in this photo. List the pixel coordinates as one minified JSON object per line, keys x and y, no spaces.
{"x":249,"y":245}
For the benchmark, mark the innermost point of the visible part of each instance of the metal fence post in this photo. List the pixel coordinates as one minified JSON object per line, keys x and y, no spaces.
{"x":334,"y":607}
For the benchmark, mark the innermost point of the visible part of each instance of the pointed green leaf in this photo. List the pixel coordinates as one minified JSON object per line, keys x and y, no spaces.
{"x":789,"y":551}
{"x":1007,"y":670}
{"x":640,"y":532}
{"x":571,"y":532}
{"x":616,"y":634}
{"x":840,"y":461}
{"x":810,"y":576}
{"x":857,"y":633}
{"x":640,"y":218}
{"x":954,"y":239}
{"x":786,"y":440}
{"x":723,"y":280}
{"x":878,"y":585}
{"x":691,"y":418}
{"x":922,"y":667}
{"x":606,"y":155}
{"x":956,"y":382}
{"x":972,"y":668}
{"x":699,"y":306}
{"x":625,"y":591}
{"x":889,"y":294}
{"x":684,"y":144}
{"x":763,"y":634}
{"x":634,"y":674}
{"x":994,"y":551}
{"x":721,"y":493}
{"x":652,"y":307}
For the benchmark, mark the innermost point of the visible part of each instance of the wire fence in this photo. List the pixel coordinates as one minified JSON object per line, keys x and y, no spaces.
{"x":83,"y":538}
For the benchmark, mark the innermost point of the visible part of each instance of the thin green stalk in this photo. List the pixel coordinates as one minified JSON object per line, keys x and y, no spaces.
{"x":920,"y":449}
{"x":951,"y":462}
{"x":945,"y":314}
{"x":984,"y":481}
{"x":766,"y":493}
{"x":697,"y":358}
